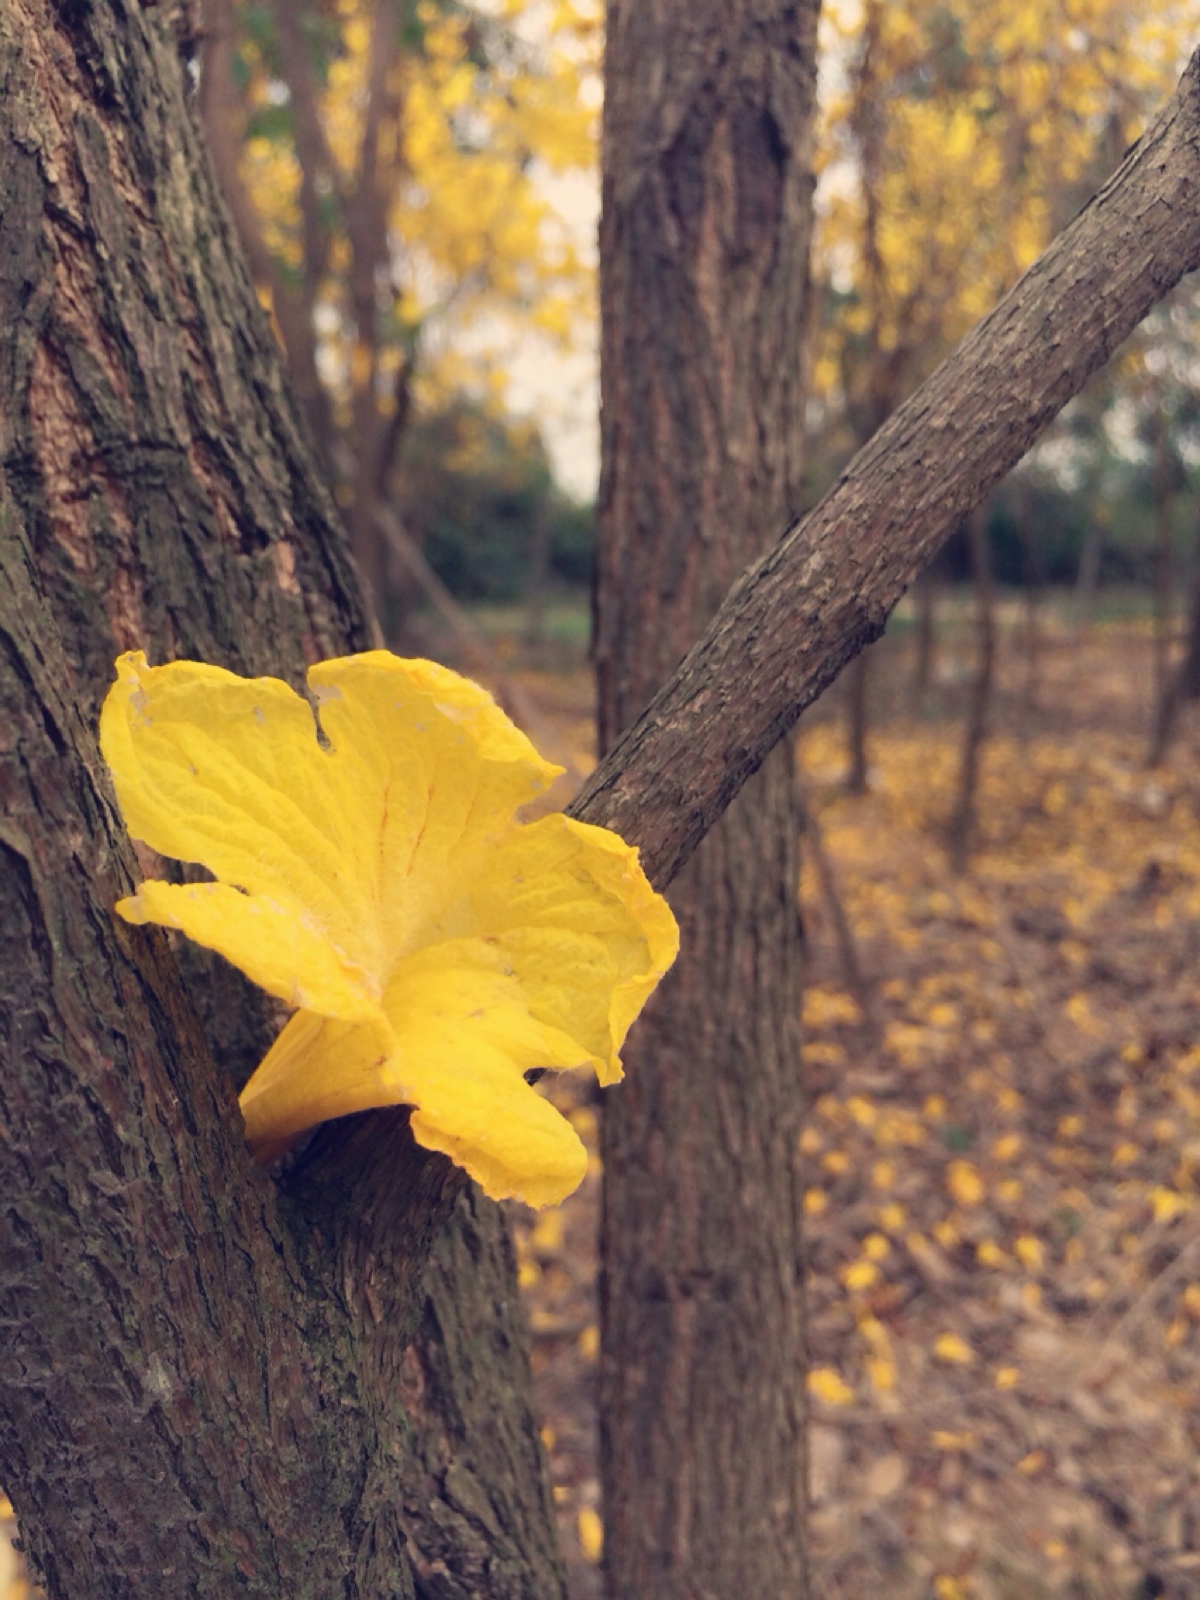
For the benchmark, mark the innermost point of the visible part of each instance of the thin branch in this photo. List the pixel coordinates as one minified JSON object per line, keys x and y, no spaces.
{"x":794,"y":618}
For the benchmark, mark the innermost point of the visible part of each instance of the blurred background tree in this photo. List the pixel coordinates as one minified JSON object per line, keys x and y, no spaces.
{"x":958,"y":139}
{"x":388,"y":165}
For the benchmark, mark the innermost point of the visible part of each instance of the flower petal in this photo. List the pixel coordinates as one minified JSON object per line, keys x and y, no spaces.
{"x":228,"y":772}
{"x":464,"y":1039}
{"x":449,"y":766}
{"x":272,"y":945}
{"x":585,"y":934}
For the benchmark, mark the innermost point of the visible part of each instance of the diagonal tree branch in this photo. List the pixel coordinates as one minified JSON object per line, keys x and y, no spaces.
{"x":794,"y":619}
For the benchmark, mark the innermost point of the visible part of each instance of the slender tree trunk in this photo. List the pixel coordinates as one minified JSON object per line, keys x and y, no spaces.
{"x":204,"y":1381}
{"x":1087,"y":579}
{"x":1184,"y":685}
{"x":925,"y":589}
{"x":960,"y":833}
{"x":1163,"y":679}
{"x":857,"y":678}
{"x":1031,"y":574}
{"x":704,"y":242}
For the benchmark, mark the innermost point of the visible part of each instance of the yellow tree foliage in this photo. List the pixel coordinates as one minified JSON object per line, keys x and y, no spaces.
{"x":960,"y":136}
{"x":389,"y":163}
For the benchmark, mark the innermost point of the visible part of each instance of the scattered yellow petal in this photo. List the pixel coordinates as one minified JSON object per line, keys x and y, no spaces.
{"x":835,"y":1161}
{"x":964,"y":1183}
{"x":892,"y":1216}
{"x":1007,"y":1377}
{"x":828,"y":1386}
{"x":946,"y":1234}
{"x":859,"y":1276}
{"x":1028,"y":1251}
{"x":1070,"y":1127}
{"x":934,"y":1107}
{"x":1031,"y":1296}
{"x":1176,"y":1333}
{"x":1010,"y":1190}
{"x":1125,"y":1154}
{"x":588,"y":1343}
{"x":810,"y":1142}
{"x":875,"y":1247}
{"x":815,"y":1201}
{"x":946,"y":1587}
{"x":944,"y":1439}
{"x":1167,"y":1204}
{"x":883,"y":1175}
{"x":989,"y":1254}
{"x":591,"y":1534}
{"x":528,"y":1273}
{"x":953,"y":1349}
{"x":881,"y":1374}
{"x":1191,"y":1300}
{"x":861,"y":1110}
{"x":1033,"y":1463}
{"x":1007,"y":1147}
{"x":1055,"y":1549}
{"x":548,"y":1437}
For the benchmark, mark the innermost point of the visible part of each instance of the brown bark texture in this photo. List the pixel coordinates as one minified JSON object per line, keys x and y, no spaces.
{"x":707,"y":190}
{"x":203,"y":1374}
{"x":794,"y":619}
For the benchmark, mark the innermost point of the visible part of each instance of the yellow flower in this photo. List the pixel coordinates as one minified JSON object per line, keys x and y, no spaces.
{"x":373,"y":875}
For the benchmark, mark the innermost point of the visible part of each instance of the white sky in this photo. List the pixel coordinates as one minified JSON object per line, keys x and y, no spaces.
{"x":563,"y":392}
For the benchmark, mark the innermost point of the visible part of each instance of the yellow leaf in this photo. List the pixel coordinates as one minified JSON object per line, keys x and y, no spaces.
{"x":827,"y":1385}
{"x":591,"y":1533}
{"x":1028,"y":1251}
{"x":964,"y":1183}
{"x":881,"y":1374}
{"x":436,"y":949}
{"x":860,"y":1275}
{"x":953,"y":1349}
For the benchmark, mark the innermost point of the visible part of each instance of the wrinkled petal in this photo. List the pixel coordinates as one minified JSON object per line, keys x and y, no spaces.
{"x":228,"y":772}
{"x":584,"y":932}
{"x":464,"y":1037}
{"x":273,"y":946}
{"x":449,"y":765}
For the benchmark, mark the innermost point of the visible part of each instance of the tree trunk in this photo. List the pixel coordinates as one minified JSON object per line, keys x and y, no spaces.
{"x":704,"y":240}
{"x":1184,"y":686}
{"x":926,"y":636}
{"x":960,"y":832}
{"x":857,"y":678}
{"x":204,"y":1368}
{"x":1163,"y":679}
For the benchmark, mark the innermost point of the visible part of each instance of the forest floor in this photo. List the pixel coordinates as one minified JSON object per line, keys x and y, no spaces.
{"x":1003,"y":1150}
{"x":1003,"y":1145}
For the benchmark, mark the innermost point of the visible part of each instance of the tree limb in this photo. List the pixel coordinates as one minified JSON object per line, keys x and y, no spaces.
{"x":794,"y":619}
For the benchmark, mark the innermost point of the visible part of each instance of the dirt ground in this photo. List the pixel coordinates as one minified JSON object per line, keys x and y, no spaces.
{"x":1003,"y":1146}
{"x":1002,"y":1149}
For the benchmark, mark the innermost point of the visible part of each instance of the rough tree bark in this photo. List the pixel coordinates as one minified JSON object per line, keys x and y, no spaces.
{"x":706,"y":216}
{"x":203,"y":1367}
{"x":203,"y":1370}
